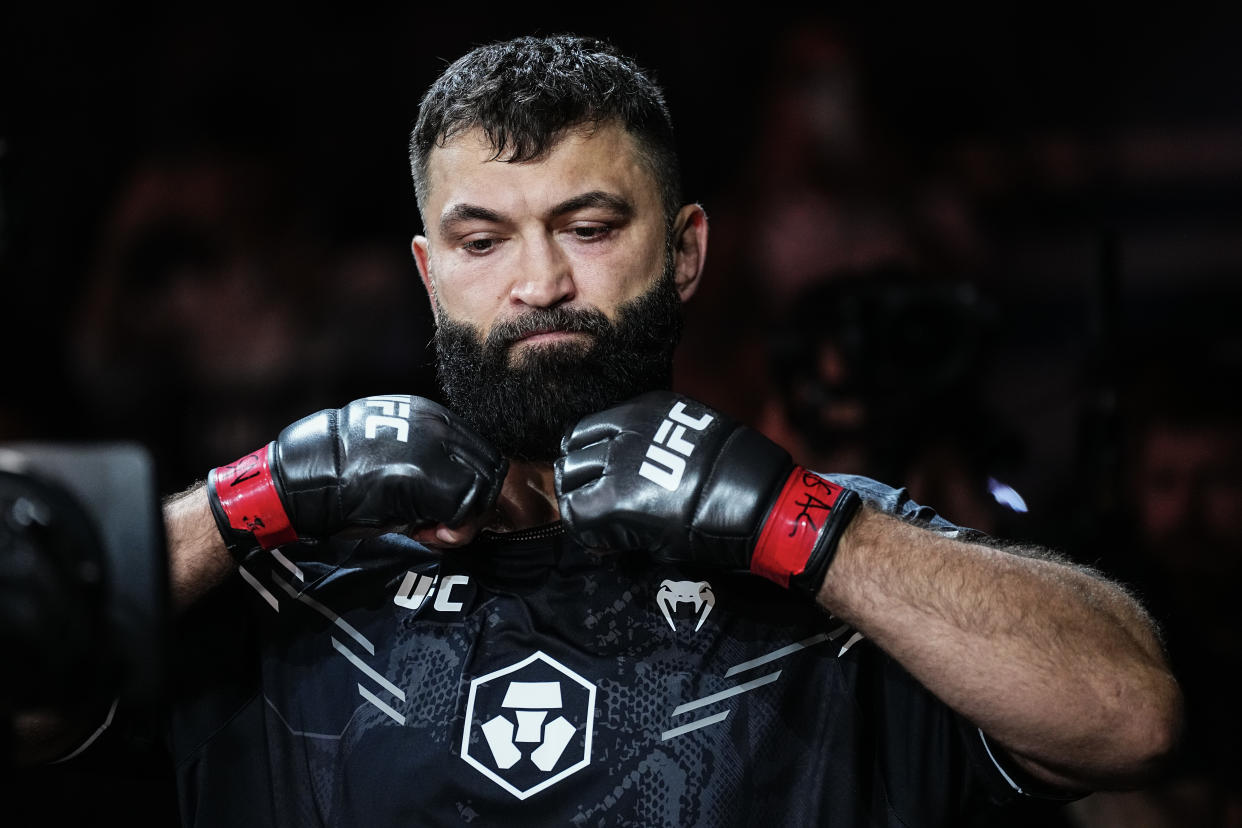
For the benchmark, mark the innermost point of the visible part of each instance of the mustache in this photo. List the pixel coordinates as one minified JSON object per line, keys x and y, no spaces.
{"x":504,"y":334}
{"x":523,"y":406}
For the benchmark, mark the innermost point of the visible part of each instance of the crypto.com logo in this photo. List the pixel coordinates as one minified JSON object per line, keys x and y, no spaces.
{"x":532,"y":730}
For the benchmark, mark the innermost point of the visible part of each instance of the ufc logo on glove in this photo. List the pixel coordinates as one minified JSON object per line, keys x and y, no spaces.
{"x":672,"y":433}
{"x":395,"y":414}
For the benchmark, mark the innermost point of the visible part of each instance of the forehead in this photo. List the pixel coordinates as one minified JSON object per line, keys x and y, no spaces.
{"x":608,"y":159}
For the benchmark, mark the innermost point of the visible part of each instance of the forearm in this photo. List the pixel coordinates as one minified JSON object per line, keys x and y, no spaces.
{"x":197,"y":557}
{"x":1059,"y":666}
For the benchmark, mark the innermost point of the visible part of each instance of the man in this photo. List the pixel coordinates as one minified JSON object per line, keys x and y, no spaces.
{"x":574,"y":597}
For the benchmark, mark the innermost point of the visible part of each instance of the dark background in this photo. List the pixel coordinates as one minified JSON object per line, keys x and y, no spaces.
{"x":1094,"y":151}
{"x":1083,"y":167}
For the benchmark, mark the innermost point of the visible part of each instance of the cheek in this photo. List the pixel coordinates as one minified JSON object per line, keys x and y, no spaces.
{"x":466,"y":297}
{"x":476,"y":300}
{"x":610,"y":281}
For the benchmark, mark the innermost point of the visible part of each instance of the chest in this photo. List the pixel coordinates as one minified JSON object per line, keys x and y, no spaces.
{"x":592,"y":690}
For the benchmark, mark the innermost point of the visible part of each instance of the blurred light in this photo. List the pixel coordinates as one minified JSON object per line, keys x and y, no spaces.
{"x":1006,"y":496}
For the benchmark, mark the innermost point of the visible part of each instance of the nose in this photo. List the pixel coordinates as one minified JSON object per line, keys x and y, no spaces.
{"x":545,"y":275}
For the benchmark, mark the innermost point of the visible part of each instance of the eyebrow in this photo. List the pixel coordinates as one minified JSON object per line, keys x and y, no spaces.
{"x":467,"y":212}
{"x":594,"y":199}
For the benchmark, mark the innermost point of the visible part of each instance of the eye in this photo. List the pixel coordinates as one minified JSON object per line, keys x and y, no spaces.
{"x":590,"y":232}
{"x":479,"y":246}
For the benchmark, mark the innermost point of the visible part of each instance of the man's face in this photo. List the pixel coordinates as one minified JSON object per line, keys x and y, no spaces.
{"x":555,"y":282}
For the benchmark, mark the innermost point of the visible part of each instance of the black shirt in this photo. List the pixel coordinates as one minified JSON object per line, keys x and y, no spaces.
{"x":525,"y":680}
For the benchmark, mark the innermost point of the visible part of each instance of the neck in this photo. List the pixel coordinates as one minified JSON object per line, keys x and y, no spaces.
{"x":527,"y":498}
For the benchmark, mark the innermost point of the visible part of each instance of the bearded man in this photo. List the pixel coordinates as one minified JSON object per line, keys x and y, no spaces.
{"x":572,"y":596}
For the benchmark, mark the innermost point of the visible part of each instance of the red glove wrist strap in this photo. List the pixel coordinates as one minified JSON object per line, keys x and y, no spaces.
{"x":794,"y":525}
{"x":249,"y":500}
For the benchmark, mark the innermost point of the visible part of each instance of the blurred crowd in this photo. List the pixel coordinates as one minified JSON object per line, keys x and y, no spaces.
{"x":215,"y":314}
{"x":854,"y":309}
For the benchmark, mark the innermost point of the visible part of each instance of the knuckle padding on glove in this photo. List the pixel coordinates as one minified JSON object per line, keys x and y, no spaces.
{"x":585,"y":465}
{"x":605,"y":501}
{"x":299,"y":446}
{"x":484,"y":466}
{"x":729,"y":499}
{"x":588,"y":432}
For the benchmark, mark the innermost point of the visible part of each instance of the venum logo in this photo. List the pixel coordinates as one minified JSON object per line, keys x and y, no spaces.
{"x":670,"y":465}
{"x":672,"y":594}
{"x":529,"y":725}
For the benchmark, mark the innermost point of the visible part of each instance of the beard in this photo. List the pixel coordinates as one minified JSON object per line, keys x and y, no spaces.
{"x":523,"y":404}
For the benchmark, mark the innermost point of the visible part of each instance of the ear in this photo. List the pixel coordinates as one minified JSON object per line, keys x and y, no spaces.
{"x":689,"y":249}
{"x":422,"y":260}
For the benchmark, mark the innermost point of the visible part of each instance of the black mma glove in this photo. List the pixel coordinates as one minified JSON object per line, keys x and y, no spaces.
{"x":669,"y":476}
{"x":379,"y":464}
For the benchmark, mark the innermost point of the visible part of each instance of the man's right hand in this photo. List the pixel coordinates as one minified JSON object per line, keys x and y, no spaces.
{"x":380,"y":464}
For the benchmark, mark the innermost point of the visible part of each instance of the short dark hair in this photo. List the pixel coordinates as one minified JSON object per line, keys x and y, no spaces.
{"x":525,"y":92}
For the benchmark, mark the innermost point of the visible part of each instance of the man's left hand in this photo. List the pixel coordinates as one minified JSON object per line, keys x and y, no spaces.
{"x":669,"y":476}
